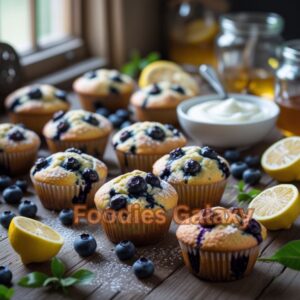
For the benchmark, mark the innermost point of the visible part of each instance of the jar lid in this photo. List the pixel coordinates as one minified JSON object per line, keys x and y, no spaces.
{"x":291,"y":50}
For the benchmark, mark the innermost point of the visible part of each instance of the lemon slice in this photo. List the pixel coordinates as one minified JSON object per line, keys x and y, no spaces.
{"x":277,"y":207}
{"x":282,"y":159}
{"x":198,"y":31}
{"x":33,"y":240}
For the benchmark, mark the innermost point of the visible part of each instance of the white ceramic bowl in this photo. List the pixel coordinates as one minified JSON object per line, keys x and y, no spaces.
{"x":230,"y":134}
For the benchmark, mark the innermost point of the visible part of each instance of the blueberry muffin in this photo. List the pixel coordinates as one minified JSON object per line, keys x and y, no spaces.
{"x":18,"y":148}
{"x":35,"y":105}
{"x":158,"y":102}
{"x":198,"y":174}
{"x":80,"y":129}
{"x":219,"y":248}
{"x":145,"y":203}
{"x":138,"y":146}
{"x":108,"y":88}
{"x":67,"y":178}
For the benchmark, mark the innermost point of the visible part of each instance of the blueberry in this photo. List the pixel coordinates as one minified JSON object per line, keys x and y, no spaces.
{"x":35,"y":93}
{"x":232,"y":155}
{"x":66,"y":216}
{"x":137,"y":185}
{"x":27,"y":209}
{"x":115,"y":120}
{"x":208,"y":152}
{"x":71,"y":164}
{"x":191,"y":167}
{"x":252,"y":176}
{"x":74,"y":150}
{"x":176,"y":153}
{"x":16,"y":135}
{"x":165,"y":174}
{"x":152,"y":180}
{"x":170,"y":127}
{"x":177,"y":88}
{"x":117,"y":78}
{"x":90,"y":75}
{"x":41,"y":163}
{"x":224,"y":168}
{"x":143,"y":268}
{"x":155,"y":90}
{"x":125,"y":124}
{"x":238,"y":168}
{"x":114,"y":90}
{"x":22,"y":184}
{"x":252,"y":161}
{"x":103,"y":112}
{"x":85,"y":245}
{"x":91,"y":120}
{"x":123,"y":114}
{"x":156,"y":133}
{"x":90,"y":175}
{"x":6,"y":217}
{"x":12,"y":195}
{"x":58,"y":115}
{"x":5,"y":181}
{"x":118,"y":202}
{"x":62,"y":95}
{"x":254,"y":228}
{"x":5,"y":276}
{"x":63,"y":126}
{"x":125,"y":250}
{"x":125,"y":135}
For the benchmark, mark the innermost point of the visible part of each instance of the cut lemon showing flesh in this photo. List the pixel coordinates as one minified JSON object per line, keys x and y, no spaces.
{"x":277,"y":207}
{"x":33,"y":240}
{"x":282,"y":159}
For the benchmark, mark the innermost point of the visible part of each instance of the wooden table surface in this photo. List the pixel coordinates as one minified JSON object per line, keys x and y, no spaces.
{"x":115,"y":279}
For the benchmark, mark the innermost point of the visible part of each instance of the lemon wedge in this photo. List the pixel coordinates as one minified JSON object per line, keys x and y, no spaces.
{"x":277,"y":207}
{"x":198,"y":31}
{"x":282,"y":160}
{"x":33,"y":240}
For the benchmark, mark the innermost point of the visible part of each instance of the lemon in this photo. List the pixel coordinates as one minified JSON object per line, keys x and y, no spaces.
{"x":198,"y":31}
{"x":33,"y":240}
{"x":277,"y":207}
{"x":282,"y":160}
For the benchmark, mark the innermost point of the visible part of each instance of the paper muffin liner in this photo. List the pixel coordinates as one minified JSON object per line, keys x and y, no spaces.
{"x":219,"y":266}
{"x":94,"y":147}
{"x":140,"y":234}
{"x":129,"y":162}
{"x":200,"y":196}
{"x":18,"y":163}
{"x":58,"y":197}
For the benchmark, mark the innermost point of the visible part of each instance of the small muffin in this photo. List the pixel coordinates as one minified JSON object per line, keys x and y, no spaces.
{"x":219,"y":248}
{"x":18,"y":148}
{"x":67,"y":178}
{"x":158,"y":102}
{"x":138,"y":146}
{"x":108,"y":88}
{"x":199,"y":175}
{"x":136,"y":206}
{"x":80,"y":129}
{"x":35,"y":105}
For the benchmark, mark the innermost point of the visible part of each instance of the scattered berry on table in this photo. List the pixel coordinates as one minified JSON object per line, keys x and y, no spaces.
{"x":22,"y":184}
{"x":5,"y":181}
{"x":5,"y":276}
{"x":252,"y":176}
{"x":123,"y":114}
{"x":253,"y":161}
{"x":27,"y":209}
{"x":85,"y":245}
{"x":12,"y":194}
{"x":238,"y":168}
{"x":6,"y":217}
{"x":66,"y":216}
{"x":103,"y":112}
{"x":232,"y":155}
{"x":143,"y":268}
{"x":125,"y":124}
{"x":115,"y":120}
{"x":125,"y":250}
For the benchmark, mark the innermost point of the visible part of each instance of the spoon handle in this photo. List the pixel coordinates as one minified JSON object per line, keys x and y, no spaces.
{"x":209,"y":74}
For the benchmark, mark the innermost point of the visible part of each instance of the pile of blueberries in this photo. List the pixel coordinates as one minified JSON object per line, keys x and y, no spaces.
{"x":120,"y":118}
{"x":246,"y":168}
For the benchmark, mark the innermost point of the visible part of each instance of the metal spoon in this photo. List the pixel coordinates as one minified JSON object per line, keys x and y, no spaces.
{"x":209,"y":74}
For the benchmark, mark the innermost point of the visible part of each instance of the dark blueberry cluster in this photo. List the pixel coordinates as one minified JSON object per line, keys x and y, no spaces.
{"x":165,"y":174}
{"x":113,"y":90}
{"x":254,"y":228}
{"x":119,"y":119}
{"x":62,"y":95}
{"x":71,"y":164}
{"x":191,"y":168}
{"x":58,"y":115}
{"x":90,"y":119}
{"x":174,"y":130}
{"x":153,"y":180}
{"x":5,"y":181}
{"x":155,"y":90}
{"x":90,"y":175}
{"x":117,"y":78}
{"x":137,"y":185}
{"x":62,"y":127}
{"x":156,"y":133}
{"x":35,"y":93}
{"x":118,"y":202}
{"x":40,"y":164}
{"x":176,"y":153}
{"x":15,"y":103}
{"x":16,"y":135}
{"x":178,"y":89}
{"x":125,"y":135}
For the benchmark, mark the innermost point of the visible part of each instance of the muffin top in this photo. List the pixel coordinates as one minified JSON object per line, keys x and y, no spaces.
{"x":136,"y":187}
{"x":192,"y":165}
{"x":38,"y":98}
{"x":148,"y":138}
{"x":104,"y":82}
{"x":15,"y":138}
{"x":211,"y":229}
{"x":69,"y":168}
{"x":76,"y":125}
{"x":161,"y":95}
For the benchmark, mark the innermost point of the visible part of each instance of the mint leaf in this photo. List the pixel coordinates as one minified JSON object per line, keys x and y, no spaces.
{"x":53,"y":281}
{"x":288,"y":256}
{"x":84,"y":276}
{"x":254,"y":192}
{"x":33,"y":280}
{"x":244,"y":197}
{"x":57,"y":267}
{"x":241,"y":186}
{"x":69,"y":281}
{"x":5,"y":292}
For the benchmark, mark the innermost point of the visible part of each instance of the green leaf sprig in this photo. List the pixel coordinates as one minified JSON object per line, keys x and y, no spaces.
{"x":57,"y":281}
{"x":243,"y":195}
{"x":288,"y":256}
{"x":6,"y":293}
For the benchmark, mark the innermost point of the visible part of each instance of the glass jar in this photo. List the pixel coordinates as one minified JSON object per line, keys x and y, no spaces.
{"x":287,"y":93}
{"x":248,"y":48}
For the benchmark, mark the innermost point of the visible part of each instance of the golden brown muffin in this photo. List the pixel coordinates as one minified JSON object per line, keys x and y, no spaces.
{"x":80,"y":129}
{"x":219,"y":247}
{"x":18,"y":148}
{"x":137,"y":193}
{"x":138,"y":146}
{"x":67,"y":178}
{"x":35,"y":105}
{"x":108,"y":88}
{"x":198,"y":174}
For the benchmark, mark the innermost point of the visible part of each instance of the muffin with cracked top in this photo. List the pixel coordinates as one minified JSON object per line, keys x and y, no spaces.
{"x":218,"y":248}
{"x":158,"y":101}
{"x":80,"y":129}
{"x":67,"y":178}
{"x":18,"y":148}
{"x":198,"y":174}
{"x":138,"y":146}
{"x":146,"y":202}
{"x":35,"y":105}
{"x":103,"y":87}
